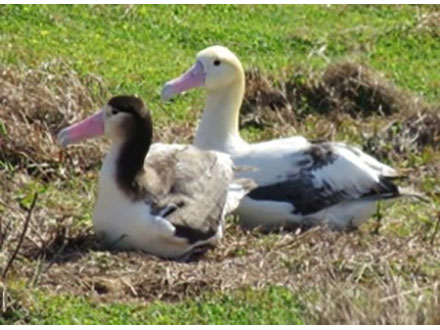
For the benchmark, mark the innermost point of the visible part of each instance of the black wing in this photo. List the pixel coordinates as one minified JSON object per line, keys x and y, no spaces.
{"x":329,"y":174}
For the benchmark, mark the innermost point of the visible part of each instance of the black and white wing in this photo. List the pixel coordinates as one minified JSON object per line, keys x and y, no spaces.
{"x":328,"y":174}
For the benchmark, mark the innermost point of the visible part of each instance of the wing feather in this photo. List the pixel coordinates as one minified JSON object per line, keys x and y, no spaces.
{"x":329,"y":174}
{"x":188,"y":187}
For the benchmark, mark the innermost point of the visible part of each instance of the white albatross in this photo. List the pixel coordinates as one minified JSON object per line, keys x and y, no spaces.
{"x":300,"y":182}
{"x":163,"y":199}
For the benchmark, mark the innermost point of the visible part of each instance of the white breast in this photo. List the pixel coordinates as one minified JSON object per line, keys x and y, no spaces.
{"x":130,"y":225}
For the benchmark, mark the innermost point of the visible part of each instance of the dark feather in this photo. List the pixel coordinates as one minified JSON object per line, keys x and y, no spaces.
{"x":306,"y":196}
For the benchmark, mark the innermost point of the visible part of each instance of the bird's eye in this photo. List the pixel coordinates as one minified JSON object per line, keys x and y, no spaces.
{"x":217,"y":62}
{"x":114,"y":111}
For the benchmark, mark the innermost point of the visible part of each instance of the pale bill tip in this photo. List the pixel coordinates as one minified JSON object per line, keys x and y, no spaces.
{"x":63,"y":139}
{"x":167,"y":92}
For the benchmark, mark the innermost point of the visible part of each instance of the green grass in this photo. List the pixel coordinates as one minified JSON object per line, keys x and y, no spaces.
{"x":135,"y":49}
{"x":273,"y":305}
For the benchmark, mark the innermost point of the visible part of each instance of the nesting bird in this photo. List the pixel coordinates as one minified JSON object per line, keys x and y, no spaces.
{"x":300,"y":182}
{"x":163,"y":199}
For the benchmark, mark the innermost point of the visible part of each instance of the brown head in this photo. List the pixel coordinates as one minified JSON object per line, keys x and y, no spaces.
{"x":126,"y":121}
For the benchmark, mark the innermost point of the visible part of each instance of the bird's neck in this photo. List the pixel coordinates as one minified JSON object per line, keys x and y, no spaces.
{"x":218,"y":128}
{"x":130,"y":158}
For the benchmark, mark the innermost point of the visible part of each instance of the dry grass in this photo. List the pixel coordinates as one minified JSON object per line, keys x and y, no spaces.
{"x":408,"y":135}
{"x":354,"y":277}
{"x":344,"y":87}
{"x":357,"y":277}
{"x":430,"y":23}
{"x":34,"y":105}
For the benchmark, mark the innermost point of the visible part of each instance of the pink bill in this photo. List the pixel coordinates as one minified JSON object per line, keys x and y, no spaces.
{"x":194,"y":77}
{"x":85,"y":129}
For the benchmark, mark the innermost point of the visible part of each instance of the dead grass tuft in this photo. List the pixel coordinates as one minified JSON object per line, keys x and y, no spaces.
{"x":348,"y":100}
{"x":406,"y":135}
{"x":344,"y":87}
{"x":34,"y":105}
{"x":359,"y":90}
{"x":429,"y":23}
{"x":264,"y":103}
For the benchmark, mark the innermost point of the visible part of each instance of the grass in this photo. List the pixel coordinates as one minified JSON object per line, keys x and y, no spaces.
{"x":242,"y":307}
{"x":132,"y":47}
{"x":59,"y":63}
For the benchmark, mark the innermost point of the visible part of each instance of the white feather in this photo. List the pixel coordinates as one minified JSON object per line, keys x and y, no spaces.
{"x":352,"y":173}
{"x":131,"y":224}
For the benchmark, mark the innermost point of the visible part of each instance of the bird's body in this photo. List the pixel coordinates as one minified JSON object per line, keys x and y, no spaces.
{"x":306,"y":183}
{"x":166,"y":203}
{"x":181,"y":205}
{"x":300,"y":182}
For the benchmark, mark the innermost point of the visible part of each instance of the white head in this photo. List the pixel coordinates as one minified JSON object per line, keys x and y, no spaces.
{"x":216,"y":68}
